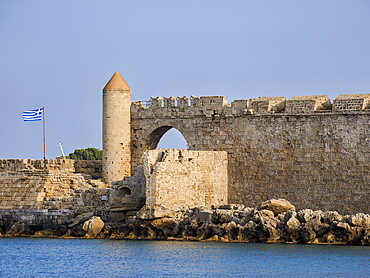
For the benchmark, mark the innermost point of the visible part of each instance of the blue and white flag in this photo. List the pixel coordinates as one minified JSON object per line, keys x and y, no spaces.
{"x":33,"y":115}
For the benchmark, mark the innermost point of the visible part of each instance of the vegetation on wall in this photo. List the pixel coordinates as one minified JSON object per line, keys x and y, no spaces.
{"x":87,"y":154}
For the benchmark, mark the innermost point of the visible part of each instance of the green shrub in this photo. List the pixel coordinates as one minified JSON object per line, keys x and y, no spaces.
{"x":87,"y":154}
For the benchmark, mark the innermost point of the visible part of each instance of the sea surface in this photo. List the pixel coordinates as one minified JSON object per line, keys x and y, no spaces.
{"x":35,"y":257}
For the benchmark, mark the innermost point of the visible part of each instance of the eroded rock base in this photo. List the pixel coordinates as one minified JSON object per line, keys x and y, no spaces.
{"x":228,"y":223}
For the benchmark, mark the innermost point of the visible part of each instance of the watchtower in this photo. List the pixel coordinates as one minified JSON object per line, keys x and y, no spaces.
{"x":116,"y":129}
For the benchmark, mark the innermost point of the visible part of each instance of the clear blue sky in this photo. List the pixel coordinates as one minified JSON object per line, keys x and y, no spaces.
{"x":60,"y":54}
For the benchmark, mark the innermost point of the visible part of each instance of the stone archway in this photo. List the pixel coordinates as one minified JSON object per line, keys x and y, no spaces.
{"x":152,"y":140}
{"x":155,"y":136}
{"x":145,"y":135}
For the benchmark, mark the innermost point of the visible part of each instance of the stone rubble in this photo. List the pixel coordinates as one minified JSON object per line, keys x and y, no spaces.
{"x":224,"y":223}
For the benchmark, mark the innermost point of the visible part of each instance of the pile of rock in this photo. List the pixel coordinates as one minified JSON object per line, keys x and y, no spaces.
{"x":273,"y":221}
{"x":79,"y":225}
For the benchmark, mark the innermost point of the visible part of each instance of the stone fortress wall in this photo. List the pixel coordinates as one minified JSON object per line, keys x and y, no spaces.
{"x":177,"y":178}
{"x":48,"y":191}
{"x":306,"y":149}
{"x":169,"y":180}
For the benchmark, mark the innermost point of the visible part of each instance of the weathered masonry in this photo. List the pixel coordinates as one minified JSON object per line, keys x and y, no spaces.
{"x":306,"y":149}
{"x":177,"y":178}
{"x":49,"y":191}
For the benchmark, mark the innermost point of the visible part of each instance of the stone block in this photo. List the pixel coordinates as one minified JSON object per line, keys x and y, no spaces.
{"x":307,"y":104}
{"x":353,"y":102}
{"x":155,"y":102}
{"x":265,"y":104}
{"x":204,"y":216}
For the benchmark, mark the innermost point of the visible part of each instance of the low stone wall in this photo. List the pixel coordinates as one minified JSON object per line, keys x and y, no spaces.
{"x":46,"y":191}
{"x":176,"y":177}
{"x":19,"y":165}
{"x":89,"y":167}
{"x":35,"y":216}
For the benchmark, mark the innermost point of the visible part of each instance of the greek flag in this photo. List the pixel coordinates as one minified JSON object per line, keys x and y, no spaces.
{"x":33,"y":115}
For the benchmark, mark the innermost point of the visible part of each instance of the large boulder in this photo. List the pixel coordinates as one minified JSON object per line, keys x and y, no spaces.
{"x":359,"y":219}
{"x":264,"y":213}
{"x":307,"y":233}
{"x":93,"y":226}
{"x":163,"y":225}
{"x":80,"y":218}
{"x":222,"y":216}
{"x":305,"y":215}
{"x":232,"y":230}
{"x":330,"y":216}
{"x":288,"y":215}
{"x":293,"y":223}
{"x":18,"y":229}
{"x":150,"y":213}
{"x":366,"y":239}
{"x":204,"y":216}
{"x":273,"y":235}
{"x":277,"y":206}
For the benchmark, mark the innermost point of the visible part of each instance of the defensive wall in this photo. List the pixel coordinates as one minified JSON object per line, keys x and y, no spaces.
{"x":306,"y":149}
{"x":49,"y":191}
{"x":169,"y":180}
{"x":176,"y":178}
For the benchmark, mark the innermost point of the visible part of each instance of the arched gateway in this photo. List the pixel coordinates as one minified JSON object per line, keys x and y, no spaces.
{"x":305,"y":149}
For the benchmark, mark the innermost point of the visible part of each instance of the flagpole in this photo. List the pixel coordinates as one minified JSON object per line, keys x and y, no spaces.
{"x":43,"y":123}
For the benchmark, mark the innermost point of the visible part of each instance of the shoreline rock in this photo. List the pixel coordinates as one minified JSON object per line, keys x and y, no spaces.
{"x":273,"y":221}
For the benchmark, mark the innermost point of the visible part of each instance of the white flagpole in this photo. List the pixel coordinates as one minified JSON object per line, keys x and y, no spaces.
{"x":43,"y":123}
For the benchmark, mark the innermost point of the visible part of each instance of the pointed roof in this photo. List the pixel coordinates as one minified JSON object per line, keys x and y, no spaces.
{"x":117,"y":83}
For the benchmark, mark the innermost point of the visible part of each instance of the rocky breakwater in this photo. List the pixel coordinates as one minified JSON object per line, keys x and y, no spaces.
{"x":85,"y":225}
{"x":273,"y":221}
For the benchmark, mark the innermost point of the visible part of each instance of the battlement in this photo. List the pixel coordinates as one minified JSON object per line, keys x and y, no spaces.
{"x":183,"y":102}
{"x":86,"y":167}
{"x":308,"y":104}
{"x":13,"y":165}
{"x":346,"y":103}
{"x":266,"y":104}
{"x":215,"y":106}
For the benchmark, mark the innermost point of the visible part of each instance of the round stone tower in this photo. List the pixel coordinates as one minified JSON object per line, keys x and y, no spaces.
{"x":116,"y":129}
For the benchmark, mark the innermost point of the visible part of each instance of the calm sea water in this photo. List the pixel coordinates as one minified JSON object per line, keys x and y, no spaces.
{"x":32,"y":257}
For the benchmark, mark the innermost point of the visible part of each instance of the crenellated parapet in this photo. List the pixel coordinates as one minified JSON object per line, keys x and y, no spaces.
{"x":14,"y":165}
{"x":346,"y":103}
{"x":266,"y":105}
{"x":308,"y":104}
{"x":217,"y":106}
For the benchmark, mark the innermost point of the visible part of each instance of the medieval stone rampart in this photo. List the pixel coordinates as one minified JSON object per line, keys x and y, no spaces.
{"x":89,"y":167}
{"x":176,"y":178}
{"x":306,"y":149}
{"x":44,"y":191}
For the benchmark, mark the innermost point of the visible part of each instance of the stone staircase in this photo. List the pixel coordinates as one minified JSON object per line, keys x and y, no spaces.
{"x":95,"y":182}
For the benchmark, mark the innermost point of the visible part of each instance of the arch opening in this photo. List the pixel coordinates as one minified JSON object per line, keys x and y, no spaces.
{"x":124,"y":191}
{"x":166,"y":137}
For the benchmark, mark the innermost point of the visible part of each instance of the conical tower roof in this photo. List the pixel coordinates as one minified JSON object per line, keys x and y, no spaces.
{"x":117,"y":83}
